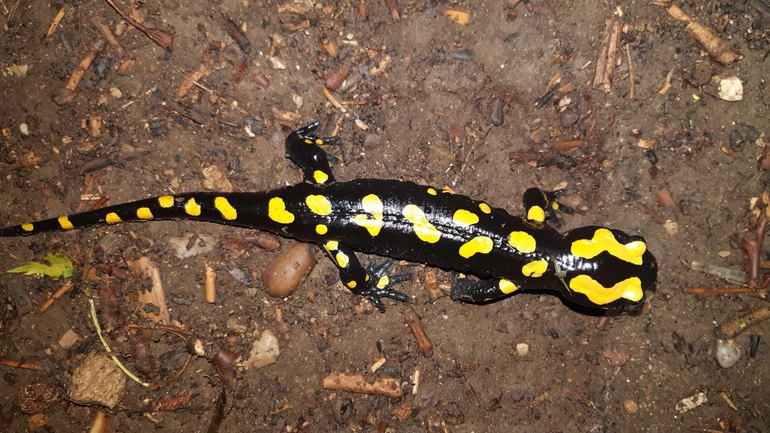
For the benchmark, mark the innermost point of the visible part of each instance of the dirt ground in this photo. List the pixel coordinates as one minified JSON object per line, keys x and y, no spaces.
{"x":423,"y":101}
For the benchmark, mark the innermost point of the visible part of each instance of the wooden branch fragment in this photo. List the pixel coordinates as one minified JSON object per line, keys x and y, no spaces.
{"x":107,"y":33}
{"x":210,"y":285}
{"x":55,"y":22}
{"x":706,"y":291}
{"x":235,"y":32}
{"x":62,"y":290}
{"x":423,"y":342}
{"x":114,"y":158}
{"x":163,"y":38}
{"x":735,"y":327}
{"x":715,"y":46}
{"x":70,"y":89}
{"x":630,"y":73}
{"x":156,"y":295}
{"x":101,"y":423}
{"x":388,"y":386}
{"x":605,"y":64}
{"x":752,"y":243}
{"x":191,"y":79}
{"x":561,"y":146}
{"x":17,"y":363}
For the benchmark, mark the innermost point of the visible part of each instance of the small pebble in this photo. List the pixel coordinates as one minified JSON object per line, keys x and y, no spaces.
{"x":630,"y":406}
{"x":568,"y":118}
{"x":522,"y":349}
{"x":24,"y":128}
{"x":727,"y":353}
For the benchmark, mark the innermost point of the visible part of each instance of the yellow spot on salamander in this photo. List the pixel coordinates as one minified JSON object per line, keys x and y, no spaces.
{"x":112,"y":218}
{"x":604,"y":240}
{"x":144,"y":213}
{"x":65,"y":223}
{"x":422,"y":228}
{"x":506,"y":286}
{"x":226,"y":209}
{"x":535,"y":269}
{"x":332,"y":245}
{"x":276,"y":211}
{"x":318,"y":204}
{"x":320,"y":177}
{"x":192,"y":207}
{"x":479,"y":244}
{"x":432,"y":191}
{"x":630,"y":288}
{"x":27,"y":227}
{"x":372,"y":222}
{"x":319,"y":141}
{"x":342,"y":259}
{"x":447,"y":191}
{"x":321,"y":229}
{"x":308,"y":141}
{"x":166,"y":201}
{"x":485,"y":208}
{"x":463,"y":217}
{"x":351,"y":284}
{"x":383,"y":282}
{"x":522,"y":242}
{"x":536,"y":213}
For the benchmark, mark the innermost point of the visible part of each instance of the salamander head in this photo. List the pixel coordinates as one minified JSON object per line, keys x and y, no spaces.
{"x":611,"y":268}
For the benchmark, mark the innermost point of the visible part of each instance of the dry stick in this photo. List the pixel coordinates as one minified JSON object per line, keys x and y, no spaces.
{"x":752,"y":243}
{"x":30,"y":365}
{"x":705,"y":291}
{"x":423,"y":342}
{"x":735,"y":327}
{"x":630,"y":74}
{"x":69,"y":91}
{"x":107,"y":33}
{"x":163,"y":38}
{"x":388,"y":386}
{"x":211,"y":285}
{"x":62,"y":290}
{"x":605,"y":64}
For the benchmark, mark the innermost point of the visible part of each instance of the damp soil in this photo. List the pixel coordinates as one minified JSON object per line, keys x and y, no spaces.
{"x":487,"y":109}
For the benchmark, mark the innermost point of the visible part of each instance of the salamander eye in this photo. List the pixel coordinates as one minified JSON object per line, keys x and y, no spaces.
{"x":427,"y":210}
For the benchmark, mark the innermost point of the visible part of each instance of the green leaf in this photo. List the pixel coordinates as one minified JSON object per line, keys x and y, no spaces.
{"x":54,"y":266}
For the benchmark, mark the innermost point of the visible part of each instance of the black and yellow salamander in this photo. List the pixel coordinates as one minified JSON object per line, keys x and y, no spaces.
{"x":592,"y":266}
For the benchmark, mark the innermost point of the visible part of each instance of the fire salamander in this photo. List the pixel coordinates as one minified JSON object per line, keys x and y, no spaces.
{"x":592,"y":266}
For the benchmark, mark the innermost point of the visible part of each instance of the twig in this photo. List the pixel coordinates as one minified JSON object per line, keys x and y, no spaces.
{"x":70,"y":89}
{"x":62,"y":290}
{"x":752,"y":243}
{"x":705,"y":291}
{"x":388,"y":386}
{"x":423,"y":342}
{"x":163,"y":38}
{"x":107,"y":33}
{"x":605,"y":64}
{"x":630,"y":73}
{"x":735,"y":327}
{"x":18,"y":363}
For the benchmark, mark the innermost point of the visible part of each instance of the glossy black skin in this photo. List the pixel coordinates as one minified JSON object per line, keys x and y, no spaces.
{"x":397,"y":238}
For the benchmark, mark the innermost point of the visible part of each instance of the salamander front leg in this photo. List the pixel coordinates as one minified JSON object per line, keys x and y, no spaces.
{"x":477,"y":291}
{"x":540,"y":205}
{"x":372,"y":282}
{"x":303,"y":147}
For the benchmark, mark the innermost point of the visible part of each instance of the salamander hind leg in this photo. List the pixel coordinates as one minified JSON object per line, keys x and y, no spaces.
{"x":304,"y":148}
{"x":371,"y":282}
{"x":477,"y":291}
